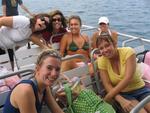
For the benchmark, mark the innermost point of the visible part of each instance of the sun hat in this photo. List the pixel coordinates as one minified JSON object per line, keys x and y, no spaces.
{"x":103,"y":19}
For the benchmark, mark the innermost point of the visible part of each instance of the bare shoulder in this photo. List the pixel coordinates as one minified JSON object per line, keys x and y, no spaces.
{"x":114,"y":32}
{"x":95,"y":34}
{"x":67,"y":36}
{"x":85,"y":36}
{"x":23,"y":98}
{"x":23,"y":92}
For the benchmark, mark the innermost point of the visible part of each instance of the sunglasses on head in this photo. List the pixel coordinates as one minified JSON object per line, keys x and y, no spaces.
{"x":56,"y":19}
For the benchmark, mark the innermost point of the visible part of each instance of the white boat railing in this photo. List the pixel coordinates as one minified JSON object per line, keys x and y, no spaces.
{"x":133,"y":37}
{"x":87,"y":28}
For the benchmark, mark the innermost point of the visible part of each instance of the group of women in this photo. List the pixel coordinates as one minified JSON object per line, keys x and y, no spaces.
{"x":117,"y":66}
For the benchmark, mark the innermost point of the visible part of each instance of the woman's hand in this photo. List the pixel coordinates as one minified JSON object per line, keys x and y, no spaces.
{"x":49,"y":45}
{"x":127,"y":105}
{"x":62,"y":98}
{"x":108,"y":97}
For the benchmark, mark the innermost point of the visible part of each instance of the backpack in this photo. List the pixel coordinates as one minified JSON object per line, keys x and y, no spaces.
{"x":87,"y":102}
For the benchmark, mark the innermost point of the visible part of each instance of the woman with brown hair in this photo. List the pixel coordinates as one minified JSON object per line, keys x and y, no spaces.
{"x":10,"y":8}
{"x":120,"y":74}
{"x":16,"y":30}
{"x":74,"y":42}
{"x":57,"y":28}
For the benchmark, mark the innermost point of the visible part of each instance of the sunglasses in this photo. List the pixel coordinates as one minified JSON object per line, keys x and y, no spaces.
{"x":56,"y":19}
{"x":102,"y":24}
{"x":46,"y":22}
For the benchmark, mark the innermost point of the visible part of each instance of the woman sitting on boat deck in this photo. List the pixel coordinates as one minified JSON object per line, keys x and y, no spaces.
{"x":17,"y":30}
{"x":29,"y":95}
{"x":57,"y":29}
{"x":103,"y":23}
{"x":120,"y":74}
{"x":74,"y":42}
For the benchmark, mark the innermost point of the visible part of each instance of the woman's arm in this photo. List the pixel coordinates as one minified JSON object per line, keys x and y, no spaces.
{"x":53,"y":106}
{"x":129,"y":73}
{"x":37,"y":39}
{"x":26,"y":9}
{"x":24,"y":99}
{"x":93,"y":40}
{"x":6,"y":21}
{"x":63,"y":44}
{"x":105,"y":80}
{"x":115,"y":37}
{"x":125,"y":104}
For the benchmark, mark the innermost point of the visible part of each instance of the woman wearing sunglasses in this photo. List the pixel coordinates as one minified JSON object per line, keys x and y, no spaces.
{"x":103,"y":23}
{"x":10,"y":8}
{"x":57,"y":28}
{"x":16,"y":30}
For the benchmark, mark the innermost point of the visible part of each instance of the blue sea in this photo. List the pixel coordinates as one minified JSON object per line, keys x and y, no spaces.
{"x":126,"y":16}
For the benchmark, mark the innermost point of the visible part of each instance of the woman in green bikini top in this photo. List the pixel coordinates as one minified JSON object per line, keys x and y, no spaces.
{"x":74,"y":47}
{"x":74,"y":42}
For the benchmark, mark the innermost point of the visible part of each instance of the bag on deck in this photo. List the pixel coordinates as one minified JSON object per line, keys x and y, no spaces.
{"x":86,"y":102}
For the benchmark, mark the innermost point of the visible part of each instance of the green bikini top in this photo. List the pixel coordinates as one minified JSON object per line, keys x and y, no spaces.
{"x":73,"y":46}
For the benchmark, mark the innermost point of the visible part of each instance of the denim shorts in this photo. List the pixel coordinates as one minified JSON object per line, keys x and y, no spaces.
{"x":138,"y":94}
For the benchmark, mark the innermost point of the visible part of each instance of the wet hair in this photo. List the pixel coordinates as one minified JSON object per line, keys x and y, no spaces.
{"x":40,"y":16}
{"x":104,"y":36}
{"x":47,"y":53}
{"x":75,"y":17}
{"x":63,"y":19}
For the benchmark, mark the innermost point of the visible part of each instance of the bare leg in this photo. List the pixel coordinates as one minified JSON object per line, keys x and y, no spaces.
{"x":135,"y":102}
{"x":147,"y":107}
{"x":67,"y":65}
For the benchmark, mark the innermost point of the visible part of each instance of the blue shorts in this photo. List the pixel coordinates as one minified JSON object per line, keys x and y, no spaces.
{"x":138,"y":94}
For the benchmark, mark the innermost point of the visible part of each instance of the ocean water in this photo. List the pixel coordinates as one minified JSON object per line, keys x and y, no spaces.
{"x":126,"y":16}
